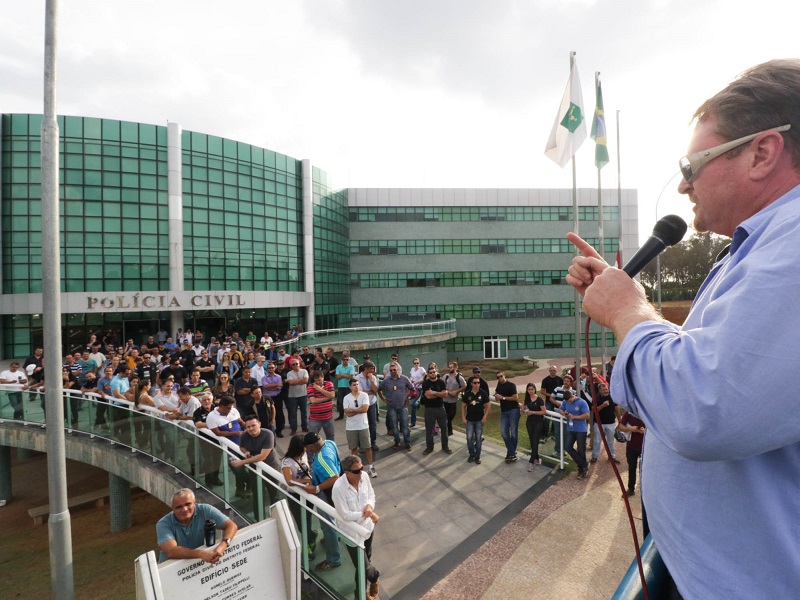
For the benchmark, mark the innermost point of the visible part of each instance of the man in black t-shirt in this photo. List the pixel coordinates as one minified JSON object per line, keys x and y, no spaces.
{"x":549,"y":384}
{"x":257,"y":445}
{"x":433,"y":392}
{"x":506,"y":393}
{"x":475,"y":407}
{"x":244,"y":387}
{"x":609,"y":412}
{"x":176,"y":370}
{"x":147,"y":369}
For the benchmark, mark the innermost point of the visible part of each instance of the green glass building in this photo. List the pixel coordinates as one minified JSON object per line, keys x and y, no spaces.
{"x":168,"y":228}
{"x":165,"y":228}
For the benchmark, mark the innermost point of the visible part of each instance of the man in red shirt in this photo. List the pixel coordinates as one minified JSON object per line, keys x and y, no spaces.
{"x":320,"y":405}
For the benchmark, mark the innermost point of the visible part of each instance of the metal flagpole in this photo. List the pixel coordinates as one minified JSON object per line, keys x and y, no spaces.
{"x":601,"y":235}
{"x":619,"y":194}
{"x":58,"y":523}
{"x":576,"y":228}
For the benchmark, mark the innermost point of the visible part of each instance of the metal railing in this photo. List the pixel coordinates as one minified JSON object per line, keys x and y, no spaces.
{"x":204,"y":457}
{"x":366,"y":335}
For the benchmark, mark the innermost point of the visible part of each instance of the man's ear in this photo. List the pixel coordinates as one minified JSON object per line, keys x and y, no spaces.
{"x":767,"y":153}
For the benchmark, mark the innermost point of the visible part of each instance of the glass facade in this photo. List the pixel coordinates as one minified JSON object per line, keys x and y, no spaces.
{"x":544,"y":341}
{"x":456,"y":279}
{"x":331,"y":261}
{"x":439,"y":312}
{"x":377,"y":214}
{"x":242,"y":216}
{"x":113,"y":205}
{"x":242,"y":227}
{"x":472,"y":246}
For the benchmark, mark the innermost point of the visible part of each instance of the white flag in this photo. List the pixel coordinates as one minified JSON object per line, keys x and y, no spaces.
{"x":569,"y":130}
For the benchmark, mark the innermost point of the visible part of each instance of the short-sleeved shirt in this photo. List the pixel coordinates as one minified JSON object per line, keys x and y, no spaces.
{"x":359,"y":421}
{"x":263,"y":441}
{"x":191,"y":535}
{"x":576,"y":408}
{"x":366,"y":386}
{"x":347,"y":369}
{"x":121,"y":384}
{"x":320,"y":411}
{"x":244,"y":402}
{"x":507,"y":389}
{"x":396,"y":390}
{"x":476,"y":404}
{"x":536,"y":404}
{"x":229,"y":422}
{"x":296,"y":391}
{"x":434,"y":386}
{"x":326,"y":465}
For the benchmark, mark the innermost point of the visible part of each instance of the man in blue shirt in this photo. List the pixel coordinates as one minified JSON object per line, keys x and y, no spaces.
{"x":181,"y":532}
{"x":576,"y":410}
{"x":721,"y":502}
{"x":325,"y":470}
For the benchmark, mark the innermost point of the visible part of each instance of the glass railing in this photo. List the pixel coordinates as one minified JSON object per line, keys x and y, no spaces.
{"x":199,"y":454}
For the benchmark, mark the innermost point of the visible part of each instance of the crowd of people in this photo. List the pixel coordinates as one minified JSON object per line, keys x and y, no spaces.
{"x":251,"y":391}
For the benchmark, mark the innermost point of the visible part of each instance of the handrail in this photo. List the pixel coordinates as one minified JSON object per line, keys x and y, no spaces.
{"x":411,"y":327}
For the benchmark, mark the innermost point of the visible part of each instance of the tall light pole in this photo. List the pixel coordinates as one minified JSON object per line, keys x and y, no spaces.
{"x":58,"y":523}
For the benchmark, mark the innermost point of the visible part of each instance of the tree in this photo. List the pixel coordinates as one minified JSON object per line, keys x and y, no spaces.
{"x":686,"y":265}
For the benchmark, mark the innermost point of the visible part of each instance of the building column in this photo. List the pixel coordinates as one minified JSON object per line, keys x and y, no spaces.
{"x":308,"y":241}
{"x":175,"y":192}
{"x":119,"y":495}
{"x":5,"y":474}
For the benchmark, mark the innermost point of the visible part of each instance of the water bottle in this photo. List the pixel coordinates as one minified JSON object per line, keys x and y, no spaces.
{"x":210,"y":531}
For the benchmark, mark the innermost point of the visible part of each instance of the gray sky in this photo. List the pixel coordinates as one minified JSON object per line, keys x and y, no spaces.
{"x":435,"y":93}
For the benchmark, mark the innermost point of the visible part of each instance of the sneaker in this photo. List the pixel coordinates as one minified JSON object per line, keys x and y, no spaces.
{"x":447,"y":450}
{"x":582,"y":473}
{"x":471,"y":459}
{"x":371,"y":471}
{"x":615,"y":459}
{"x":396,"y":445}
{"x":426,"y":452}
{"x":293,"y":432}
{"x":408,"y":447}
{"x":477,"y":460}
{"x":243,"y":493}
{"x":631,"y":492}
{"x":305,"y":429}
{"x":375,"y":447}
{"x":530,"y":467}
{"x":594,"y":460}
{"x":512,"y":459}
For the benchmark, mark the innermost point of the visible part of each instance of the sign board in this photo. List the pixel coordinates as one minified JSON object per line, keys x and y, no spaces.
{"x":251,"y":568}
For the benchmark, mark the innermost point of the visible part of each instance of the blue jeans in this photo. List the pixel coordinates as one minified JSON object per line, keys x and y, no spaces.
{"x":608,"y":431}
{"x":579,"y":455}
{"x":292,"y":404}
{"x":398,"y":417}
{"x":413,"y":411}
{"x":474,"y":433}
{"x":509,"y":429}
{"x":332,"y":552}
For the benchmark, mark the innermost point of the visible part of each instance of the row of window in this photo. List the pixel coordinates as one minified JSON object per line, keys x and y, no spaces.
{"x":544,"y":341}
{"x":456,"y":279}
{"x":472,"y":246}
{"x":440,"y":312}
{"x":378,"y":214}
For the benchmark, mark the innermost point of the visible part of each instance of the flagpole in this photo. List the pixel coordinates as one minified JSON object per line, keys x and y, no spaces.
{"x":576,"y":228}
{"x":600,"y":233}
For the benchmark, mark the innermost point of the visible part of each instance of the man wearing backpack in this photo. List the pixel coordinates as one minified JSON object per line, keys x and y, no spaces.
{"x":456,"y":385}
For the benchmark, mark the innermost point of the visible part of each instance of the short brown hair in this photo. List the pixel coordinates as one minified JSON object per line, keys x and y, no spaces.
{"x":763,"y":97}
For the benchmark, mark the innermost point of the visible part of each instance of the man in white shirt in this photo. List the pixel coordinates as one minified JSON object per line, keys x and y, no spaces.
{"x":356,"y":405}
{"x":354,"y":500}
{"x":14,"y":375}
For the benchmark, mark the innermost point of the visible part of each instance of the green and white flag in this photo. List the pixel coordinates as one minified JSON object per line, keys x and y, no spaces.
{"x":599,"y":128}
{"x":569,"y":130}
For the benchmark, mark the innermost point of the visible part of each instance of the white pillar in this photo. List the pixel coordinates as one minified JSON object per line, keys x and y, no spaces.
{"x":175,"y":191}
{"x":308,"y":241}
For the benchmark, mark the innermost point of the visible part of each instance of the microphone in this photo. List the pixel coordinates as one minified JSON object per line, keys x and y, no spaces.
{"x":668,"y":231}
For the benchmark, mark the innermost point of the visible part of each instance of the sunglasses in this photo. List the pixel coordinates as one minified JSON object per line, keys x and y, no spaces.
{"x":690,"y":164}
{"x":357,"y":471}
